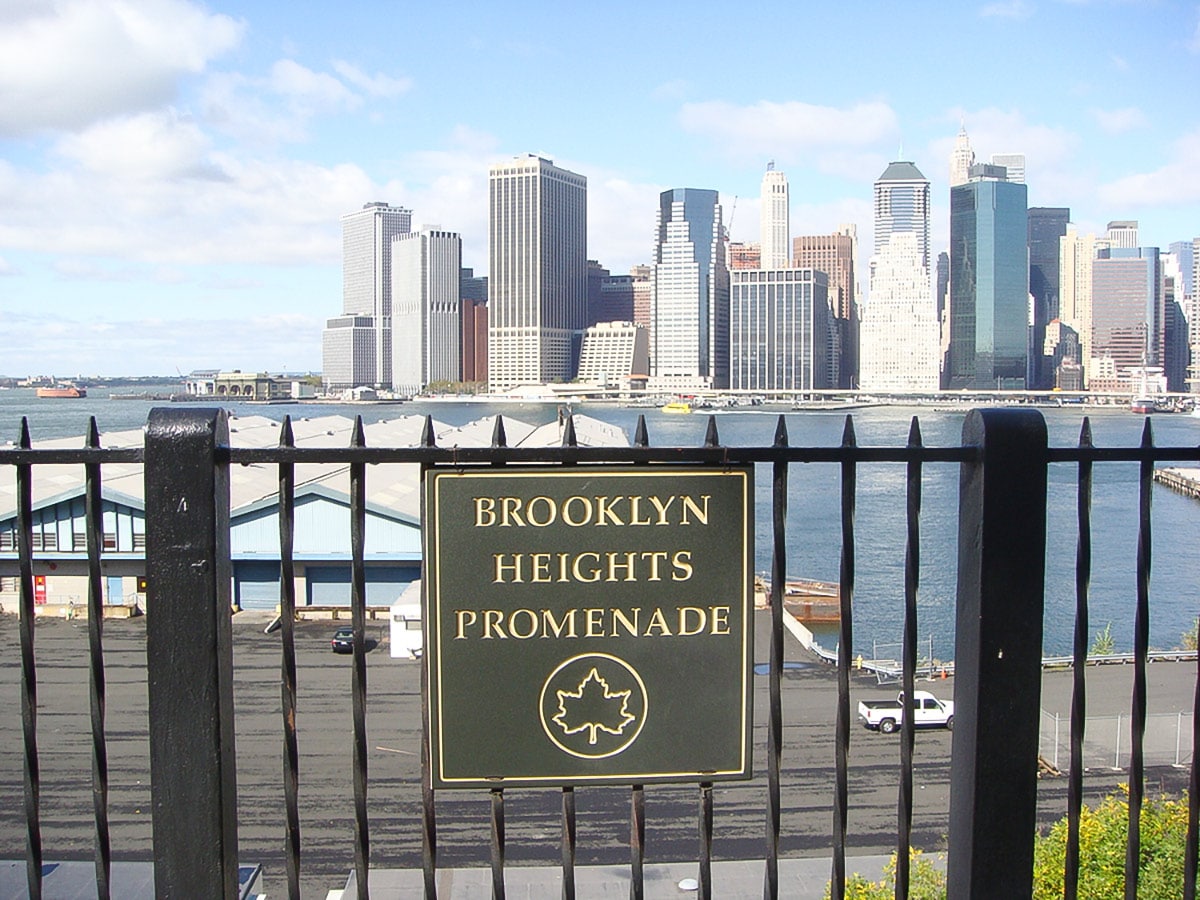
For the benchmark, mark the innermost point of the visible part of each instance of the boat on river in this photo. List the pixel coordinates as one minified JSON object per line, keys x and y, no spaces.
{"x":63,"y":391}
{"x":676,"y":406}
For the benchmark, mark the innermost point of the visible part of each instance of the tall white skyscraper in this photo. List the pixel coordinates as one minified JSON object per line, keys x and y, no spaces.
{"x":1076,"y":254}
{"x":537,"y":250}
{"x":1014,"y":164}
{"x":690,"y":293}
{"x":367,"y":292}
{"x":426,"y":326}
{"x":774,"y":231}
{"x":899,"y":332}
{"x":962,"y":157}
{"x":902,"y":205}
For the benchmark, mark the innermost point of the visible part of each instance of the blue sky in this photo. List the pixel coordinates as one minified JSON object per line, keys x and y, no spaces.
{"x":171,"y":173}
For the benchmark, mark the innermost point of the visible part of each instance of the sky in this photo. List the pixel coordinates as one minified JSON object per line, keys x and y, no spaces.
{"x":172,"y":173}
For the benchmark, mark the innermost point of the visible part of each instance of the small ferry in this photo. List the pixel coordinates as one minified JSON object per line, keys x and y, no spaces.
{"x":1141,"y":406}
{"x":63,"y":391}
{"x":676,"y":406}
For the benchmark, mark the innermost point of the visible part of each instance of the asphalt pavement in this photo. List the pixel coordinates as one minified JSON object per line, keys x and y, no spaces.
{"x":533,"y":825}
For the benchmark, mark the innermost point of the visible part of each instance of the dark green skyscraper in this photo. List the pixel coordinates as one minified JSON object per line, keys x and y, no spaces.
{"x":989,"y":283}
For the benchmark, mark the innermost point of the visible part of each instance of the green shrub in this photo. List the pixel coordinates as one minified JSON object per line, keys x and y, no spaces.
{"x":1102,"y":832}
{"x":926,"y":881}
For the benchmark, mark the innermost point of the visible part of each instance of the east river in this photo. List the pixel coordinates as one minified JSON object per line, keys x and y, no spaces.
{"x":814,"y":529}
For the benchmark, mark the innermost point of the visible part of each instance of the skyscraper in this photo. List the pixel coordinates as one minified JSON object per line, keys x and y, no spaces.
{"x":1047,"y":225}
{"x":1123,"y":234}
{"x":900,"y":287}
{"x":690,"y":292}
{"x":902,"y":204}
{"x":1128,"y":316}
{"x":774,"y":231}
{"x":537,"y":278}
{"x":367,"y":284}
{"x":1077,"y":253}
{"x":1014,"y":166}
{"x":779,"y":330}
{"x":962,"y":157}
{"x":989,"y":283}
{"x":834,"y":254}
{"x":426,"y":325}
{"x":900,"y":337}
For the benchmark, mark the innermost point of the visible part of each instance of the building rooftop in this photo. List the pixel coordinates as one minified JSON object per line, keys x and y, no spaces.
{"x":901,"y":171}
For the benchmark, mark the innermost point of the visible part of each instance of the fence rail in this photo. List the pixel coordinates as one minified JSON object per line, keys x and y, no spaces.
{"x":1003,"y":462}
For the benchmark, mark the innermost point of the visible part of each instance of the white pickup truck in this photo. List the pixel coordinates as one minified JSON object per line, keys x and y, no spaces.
{"x":886,"y":715}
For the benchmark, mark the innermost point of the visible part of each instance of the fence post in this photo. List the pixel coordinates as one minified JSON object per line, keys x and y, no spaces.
{"x":189,"y":654}
{"x":998,"y":653}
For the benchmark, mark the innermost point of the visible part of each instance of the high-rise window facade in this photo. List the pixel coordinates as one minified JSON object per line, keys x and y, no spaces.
{"x":426,"y":325}
{"x":779,"y":330}
{"x":902,"y":205}
{"x":367,"y":274}
{"x":537,"y":248}
{"x":1047,"y":226}
{"x":989,"y":285}
{"x":773,"y":221}
{"x":690,"y":292}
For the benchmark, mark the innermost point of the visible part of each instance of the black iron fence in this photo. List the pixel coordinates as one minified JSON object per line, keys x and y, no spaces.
{"x":1003,"y":462}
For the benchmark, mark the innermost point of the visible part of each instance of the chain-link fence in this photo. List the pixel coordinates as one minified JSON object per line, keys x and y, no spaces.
{"x":1106,"y":740}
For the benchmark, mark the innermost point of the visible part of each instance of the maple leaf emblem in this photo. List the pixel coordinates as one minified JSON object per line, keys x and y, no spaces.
{"x":592,"y":707}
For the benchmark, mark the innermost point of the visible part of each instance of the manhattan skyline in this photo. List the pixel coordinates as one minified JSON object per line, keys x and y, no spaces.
{"x":179,"y":208}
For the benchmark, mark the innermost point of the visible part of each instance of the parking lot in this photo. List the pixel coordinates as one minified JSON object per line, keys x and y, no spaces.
{"x":533,"y":824}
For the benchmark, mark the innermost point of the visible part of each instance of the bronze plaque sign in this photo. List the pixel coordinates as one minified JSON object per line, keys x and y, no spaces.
{"x":588,"y":625}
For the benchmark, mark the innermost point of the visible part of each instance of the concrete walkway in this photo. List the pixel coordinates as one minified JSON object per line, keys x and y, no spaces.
{"x":799,"y":879}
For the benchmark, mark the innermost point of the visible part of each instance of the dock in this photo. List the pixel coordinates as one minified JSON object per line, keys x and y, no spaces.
{"x":1182,"y":481}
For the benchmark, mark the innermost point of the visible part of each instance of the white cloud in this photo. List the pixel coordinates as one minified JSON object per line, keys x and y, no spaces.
{"x":64,"y":65}
{"x":793,"y":132}
{"x":377,"y":85}
{"x":1008,"y":9}
{"x":302,"y":85}
{"x":1172,"y":184}
{"x":150,"y":190}
{"x":1118,"y":121}
{"x":6,"y":268}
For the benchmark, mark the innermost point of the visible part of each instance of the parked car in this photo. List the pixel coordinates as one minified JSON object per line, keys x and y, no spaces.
{"x":886,"y":715}
{"x":342,"y":641}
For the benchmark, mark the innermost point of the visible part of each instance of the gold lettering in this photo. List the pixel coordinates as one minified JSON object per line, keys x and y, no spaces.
{"x":687,"y":630}
{"x":662,"y":509}
{"x":658,"y":621}
{"x":485,"y":512}
{"x":492,"y":618}
{"x":604,"y":510}
{"x":563,"y":558}
{"x":701,"y":515}
{"x":501,"y":567}
{"x":635,"y":503}
{"x":512,"y":624}
{"x":655,"y":558}
{"x":720,"y":619}
{"x":567,"y":623}
{"x":613,"y":566}
{"x":510,"y":506}
{"x":551,"y":512}
{"x":587,"y":511}
{"x":619,"y":617}
{"x":682,"y":562}
{"x":540,"y":563}
{"x":595,"y":573}
{"x":594,"y":622}
{"x":464,"y":617}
